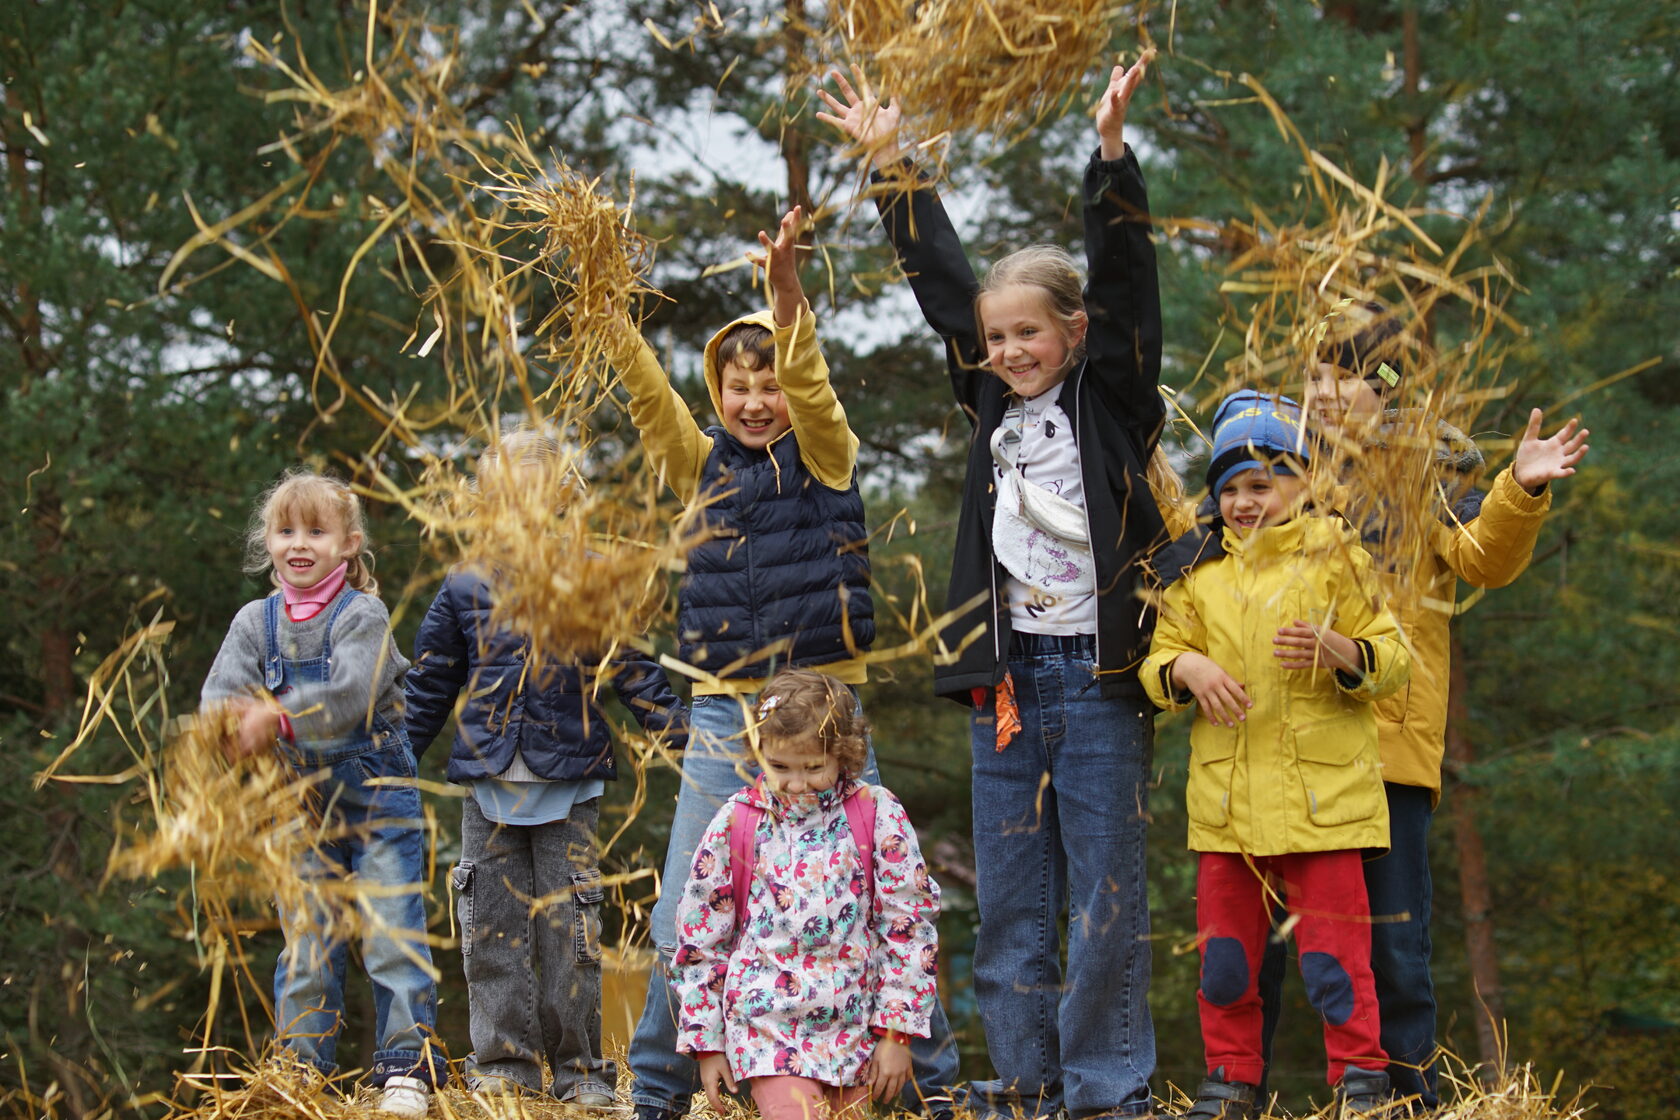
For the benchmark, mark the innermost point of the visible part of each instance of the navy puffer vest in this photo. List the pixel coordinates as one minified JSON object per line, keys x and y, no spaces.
{"x":788,"y":563}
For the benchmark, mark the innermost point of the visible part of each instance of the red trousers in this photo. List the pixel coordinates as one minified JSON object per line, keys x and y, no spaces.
{"x":1325,"y":895}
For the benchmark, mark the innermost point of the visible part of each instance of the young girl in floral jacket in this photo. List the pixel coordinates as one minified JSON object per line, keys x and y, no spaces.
{"x":807,"y":953}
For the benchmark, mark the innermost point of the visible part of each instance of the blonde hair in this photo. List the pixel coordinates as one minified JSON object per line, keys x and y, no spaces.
{"x":805,"y":706}
{"x":303,"y":495}
{"x":538,"y":448}
{"x":1053,"y":271}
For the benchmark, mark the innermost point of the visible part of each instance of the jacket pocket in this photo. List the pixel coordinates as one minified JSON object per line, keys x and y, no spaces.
{"x":461,"y":880}
{"x":1207,"y":795}
{"x":1337,"y":772}
{"x":587,"y":895}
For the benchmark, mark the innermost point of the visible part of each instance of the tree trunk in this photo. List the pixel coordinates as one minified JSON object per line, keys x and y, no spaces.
{"x":1412,"y":63}
{"x":1475,"y":891}
{"x":794,"y":142}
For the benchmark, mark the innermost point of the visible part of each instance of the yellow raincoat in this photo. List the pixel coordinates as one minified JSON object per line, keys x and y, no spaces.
{"x":1301,"y":773}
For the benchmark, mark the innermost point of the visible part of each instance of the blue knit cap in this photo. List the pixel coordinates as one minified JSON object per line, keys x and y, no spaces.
{"x":1254,"y":430}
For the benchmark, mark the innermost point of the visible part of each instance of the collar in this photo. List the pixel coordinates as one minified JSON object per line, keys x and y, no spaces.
{"x":301,"y":606}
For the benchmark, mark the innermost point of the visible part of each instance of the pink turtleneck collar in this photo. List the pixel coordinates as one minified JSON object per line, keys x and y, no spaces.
{"x":301,"y":606}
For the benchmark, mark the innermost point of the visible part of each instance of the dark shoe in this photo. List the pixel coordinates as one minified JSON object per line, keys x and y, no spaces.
{"x":1218,"y":1099}
{"x":654,"y":1112}
{"x":1363,"y":1092}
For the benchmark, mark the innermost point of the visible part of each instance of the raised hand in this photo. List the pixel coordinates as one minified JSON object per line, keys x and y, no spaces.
{"x":781,"y":266}
{"x":1539,"y":461}
{"x":1111,"y":106}
{"x":872,"y":124}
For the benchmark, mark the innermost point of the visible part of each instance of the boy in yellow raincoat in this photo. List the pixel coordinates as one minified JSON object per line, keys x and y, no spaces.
{"x":1276,"y":629}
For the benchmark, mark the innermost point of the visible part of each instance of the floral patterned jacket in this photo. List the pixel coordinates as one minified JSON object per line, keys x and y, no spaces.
{"x":800,"y":991}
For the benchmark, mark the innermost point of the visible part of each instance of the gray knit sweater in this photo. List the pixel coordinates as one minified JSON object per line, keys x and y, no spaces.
{"x":366,"y":672}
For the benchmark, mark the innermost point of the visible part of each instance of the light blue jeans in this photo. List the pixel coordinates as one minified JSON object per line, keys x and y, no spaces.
{"x":1059,"y":821}
{"x":380,"y":845}
{"x":716,"y":764}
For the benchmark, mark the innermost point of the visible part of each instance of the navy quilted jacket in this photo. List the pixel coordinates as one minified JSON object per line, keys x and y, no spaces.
{"x":784,"y":580}
{"x":551,"y":714}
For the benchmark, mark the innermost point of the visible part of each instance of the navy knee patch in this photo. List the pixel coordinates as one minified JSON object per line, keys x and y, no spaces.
{"x":1329,"y":988}
{"x":1224,"y":971}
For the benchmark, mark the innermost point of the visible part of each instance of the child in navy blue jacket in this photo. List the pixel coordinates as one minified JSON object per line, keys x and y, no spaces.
{"x":535,"y":750}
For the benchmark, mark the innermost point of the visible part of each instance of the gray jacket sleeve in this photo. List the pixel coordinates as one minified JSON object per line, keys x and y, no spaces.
{"x":238,"y":668}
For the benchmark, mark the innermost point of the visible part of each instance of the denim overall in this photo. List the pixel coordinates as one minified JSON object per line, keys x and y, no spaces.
{"x":372,"y":832}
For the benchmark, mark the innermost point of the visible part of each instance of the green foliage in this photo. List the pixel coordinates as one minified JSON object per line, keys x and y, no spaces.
{"x":141,"y":425}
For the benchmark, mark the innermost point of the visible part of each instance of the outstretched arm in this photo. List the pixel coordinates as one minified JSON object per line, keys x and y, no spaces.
{"x":781,"y":267}
{"x":1123,"y":299}
{"x":675,"y":445}
{"x":1111,"y":106}
{"x":1492,"y":548}
{"x":921,"y":234}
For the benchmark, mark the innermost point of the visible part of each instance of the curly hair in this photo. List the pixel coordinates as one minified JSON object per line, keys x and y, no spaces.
{"x":808,"y":707}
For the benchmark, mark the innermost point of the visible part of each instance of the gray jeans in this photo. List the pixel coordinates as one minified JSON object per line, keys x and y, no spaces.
{"x":529,"y":902}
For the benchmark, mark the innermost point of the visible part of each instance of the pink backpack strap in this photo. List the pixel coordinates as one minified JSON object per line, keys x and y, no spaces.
{"x":743,"y":846}
{"x":743,"y":854}
{"x":860,"y":816}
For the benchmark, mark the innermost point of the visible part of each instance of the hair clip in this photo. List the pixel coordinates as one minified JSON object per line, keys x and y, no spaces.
{"x":768,"y":705}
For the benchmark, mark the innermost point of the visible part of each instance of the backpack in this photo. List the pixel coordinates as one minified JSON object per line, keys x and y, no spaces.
{"x":743,"y":845}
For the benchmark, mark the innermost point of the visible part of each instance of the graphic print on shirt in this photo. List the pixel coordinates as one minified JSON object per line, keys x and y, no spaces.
{"x":1052,"y":576}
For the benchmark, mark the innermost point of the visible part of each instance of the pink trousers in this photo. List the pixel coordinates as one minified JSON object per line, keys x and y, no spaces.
{"x":801,"y":1098}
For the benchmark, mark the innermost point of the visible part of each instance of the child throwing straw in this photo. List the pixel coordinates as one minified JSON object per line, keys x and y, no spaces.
{"x":782,"y":580}
{"x":1410,"y":485}
{"x":535,"y":750}
{"x":807,"y":953}
{"x":1273,"y":624}
{"x":315,"y":675}
{"x":1056,"y":514}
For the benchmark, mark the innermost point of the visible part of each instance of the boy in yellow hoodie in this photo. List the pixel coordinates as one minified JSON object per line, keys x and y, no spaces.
{"x":1275,"y":628}
{"x":781,"y":581}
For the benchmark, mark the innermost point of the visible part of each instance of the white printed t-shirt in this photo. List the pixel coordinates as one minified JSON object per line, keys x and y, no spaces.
{"x":1050,"y":594}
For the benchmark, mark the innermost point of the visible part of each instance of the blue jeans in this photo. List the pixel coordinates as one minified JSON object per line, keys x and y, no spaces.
{"x":1401,"y":893}
{"x":376,"y":838}
{"x":1059,"y":821}
{"x":716,"y":764}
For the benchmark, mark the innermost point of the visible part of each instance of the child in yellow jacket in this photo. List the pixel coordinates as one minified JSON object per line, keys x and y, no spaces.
{"x":1277,"y":631}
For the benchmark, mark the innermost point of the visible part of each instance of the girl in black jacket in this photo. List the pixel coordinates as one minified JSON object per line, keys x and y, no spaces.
{"x":1056,"y":515}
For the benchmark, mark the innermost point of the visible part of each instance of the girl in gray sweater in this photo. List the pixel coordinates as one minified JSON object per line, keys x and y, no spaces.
{"x":314,"y":674}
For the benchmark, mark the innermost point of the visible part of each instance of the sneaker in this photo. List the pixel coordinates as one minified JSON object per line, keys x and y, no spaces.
{"x":408,"y":1097}
{"x":654,"y":1112}
{"x":1218,"y":1099}
{"x":1363,"y":1092}
{"x":592,"y":1099}
{"x":494,"y":1085}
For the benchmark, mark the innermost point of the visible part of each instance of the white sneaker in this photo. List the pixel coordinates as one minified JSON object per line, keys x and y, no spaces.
{"x":408,"y":1097}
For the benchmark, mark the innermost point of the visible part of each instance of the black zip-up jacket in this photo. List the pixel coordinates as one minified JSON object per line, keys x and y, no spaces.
{"x":551,"y":714}
{"x":1112,"y":399}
